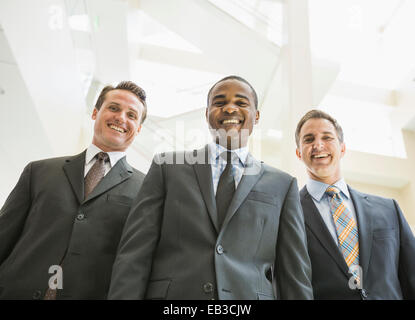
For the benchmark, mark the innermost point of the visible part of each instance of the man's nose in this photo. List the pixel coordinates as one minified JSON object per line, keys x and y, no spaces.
{"x":318,"y":144}
{"x":230,"y":108}
{"x":121,"y":117}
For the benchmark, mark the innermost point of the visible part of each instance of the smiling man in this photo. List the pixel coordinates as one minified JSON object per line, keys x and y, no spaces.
{"x":223,"y":225}
{"x":61,"y":225}
{"x":360,"y":245}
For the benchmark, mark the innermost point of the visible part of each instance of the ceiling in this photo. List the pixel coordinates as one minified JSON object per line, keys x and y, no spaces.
{"x":56,"y":57}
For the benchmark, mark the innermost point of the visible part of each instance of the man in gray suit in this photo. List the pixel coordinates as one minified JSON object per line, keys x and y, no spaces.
{"x":61,"y":224}
{"x":215,"y":223}
{"x":360,"y":245}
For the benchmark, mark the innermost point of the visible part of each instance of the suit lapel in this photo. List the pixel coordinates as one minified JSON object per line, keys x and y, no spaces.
{"x":203,"y":173}
{"x":364,"y":225}
{"x":253,"y":172}
{"x":316,"y":223}
{"x":120,"y":172}
{"x":74,"y":169}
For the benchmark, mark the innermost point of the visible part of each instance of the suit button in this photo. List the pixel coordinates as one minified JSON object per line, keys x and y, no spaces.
{"x":37,"y":294}
{"x":208,"y":287}
{"x":80,"y":217}
{"x":219,"y":249}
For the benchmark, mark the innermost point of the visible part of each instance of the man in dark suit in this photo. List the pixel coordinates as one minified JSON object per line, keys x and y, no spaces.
{"x":215,"y":223}
{"x":360,"y":245}
{"x":61,"y":224}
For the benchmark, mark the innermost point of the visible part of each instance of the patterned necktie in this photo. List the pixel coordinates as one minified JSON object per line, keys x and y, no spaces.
{"x":225,"y":190}
{"x":346,"y":229}
{"x":96,"y":173}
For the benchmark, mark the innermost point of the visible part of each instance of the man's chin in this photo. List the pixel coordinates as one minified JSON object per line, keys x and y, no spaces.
{"x":116,"y":145}
{"x":320,"y":174}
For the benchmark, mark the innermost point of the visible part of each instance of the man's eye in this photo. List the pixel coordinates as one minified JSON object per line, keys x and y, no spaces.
{"x":113,"y":108}
{"x":328,"y":138}
{"x":218,"y":103}
{"x":132,"y":116}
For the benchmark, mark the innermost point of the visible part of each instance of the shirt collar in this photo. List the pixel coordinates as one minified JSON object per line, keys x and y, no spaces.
{"x":317,"y":189}
{"x":215,"y":150}
{"x":114,"y":156}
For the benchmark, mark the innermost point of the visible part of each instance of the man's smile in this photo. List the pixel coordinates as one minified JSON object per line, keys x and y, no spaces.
{"x":116,"y":128}
{"x":231,"y":121}
{"x":320,"y":155}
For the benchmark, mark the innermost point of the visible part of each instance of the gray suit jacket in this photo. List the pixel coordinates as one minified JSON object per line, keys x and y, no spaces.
{"x":386,"y":251}
{"x":172,"y":247}
{"x":46,"y":219}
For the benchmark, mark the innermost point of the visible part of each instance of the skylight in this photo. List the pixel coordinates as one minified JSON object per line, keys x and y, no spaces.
{"x":172,"y":90}
{"x":263,"y":16}
{"x":367,"y":40}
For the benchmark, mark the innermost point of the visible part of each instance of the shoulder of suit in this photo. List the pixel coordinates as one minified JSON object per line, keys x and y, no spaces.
{"x":180,"y":157}
{"x":51,"y":161}
{"x":371,"y":197}
{"x":272,"y":170}
{"x":138,"y":173}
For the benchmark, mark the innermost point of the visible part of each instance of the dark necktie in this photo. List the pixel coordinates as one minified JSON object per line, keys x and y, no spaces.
{"x":225,"y":190}
{"x":96,"y":173}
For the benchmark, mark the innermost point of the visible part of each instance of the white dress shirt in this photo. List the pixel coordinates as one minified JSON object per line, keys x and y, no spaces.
{"x":317,"y":190}
{"x":90,"y":159}
{"x":218,"y":164}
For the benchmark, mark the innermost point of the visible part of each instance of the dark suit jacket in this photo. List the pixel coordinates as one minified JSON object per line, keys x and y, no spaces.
{"x":46,"y":218}
{"x":386,"y":251}
{"x":172,"y":247}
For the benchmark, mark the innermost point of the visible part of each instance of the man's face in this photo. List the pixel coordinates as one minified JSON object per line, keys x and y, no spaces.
{"x":321,"y":150}
{"x":118,"y":121}
{"x":231,"y":113}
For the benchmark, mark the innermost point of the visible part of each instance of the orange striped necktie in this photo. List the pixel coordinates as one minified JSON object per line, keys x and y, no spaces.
{"x":346,"y":227}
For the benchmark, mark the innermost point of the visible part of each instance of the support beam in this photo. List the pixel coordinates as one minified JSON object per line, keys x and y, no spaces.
{"x":108,"y":20}
{"x":296,"y":76}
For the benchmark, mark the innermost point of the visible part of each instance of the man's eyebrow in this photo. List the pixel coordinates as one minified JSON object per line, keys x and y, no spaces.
{"x":112,"y":102}
{"x":241,"y":96}
{"x":133,"y":110}
{"x":219,"y":96}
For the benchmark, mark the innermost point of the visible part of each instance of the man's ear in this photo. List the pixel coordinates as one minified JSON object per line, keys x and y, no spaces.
{"x":94,"y":114}
{"x":298,"y":153}
{"x":342,"y":149}
{"x":257,"y":117}
{"x":138,"y":129}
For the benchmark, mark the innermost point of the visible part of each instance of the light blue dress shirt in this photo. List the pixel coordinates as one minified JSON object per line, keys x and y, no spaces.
{"x":317,"y":190}
{"x":218,"y":164}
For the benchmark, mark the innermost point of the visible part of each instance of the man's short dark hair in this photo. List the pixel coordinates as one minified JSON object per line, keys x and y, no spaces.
{"x":238,"y":79}
{"x":125,"y":85}
{"x":318,"y":114}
